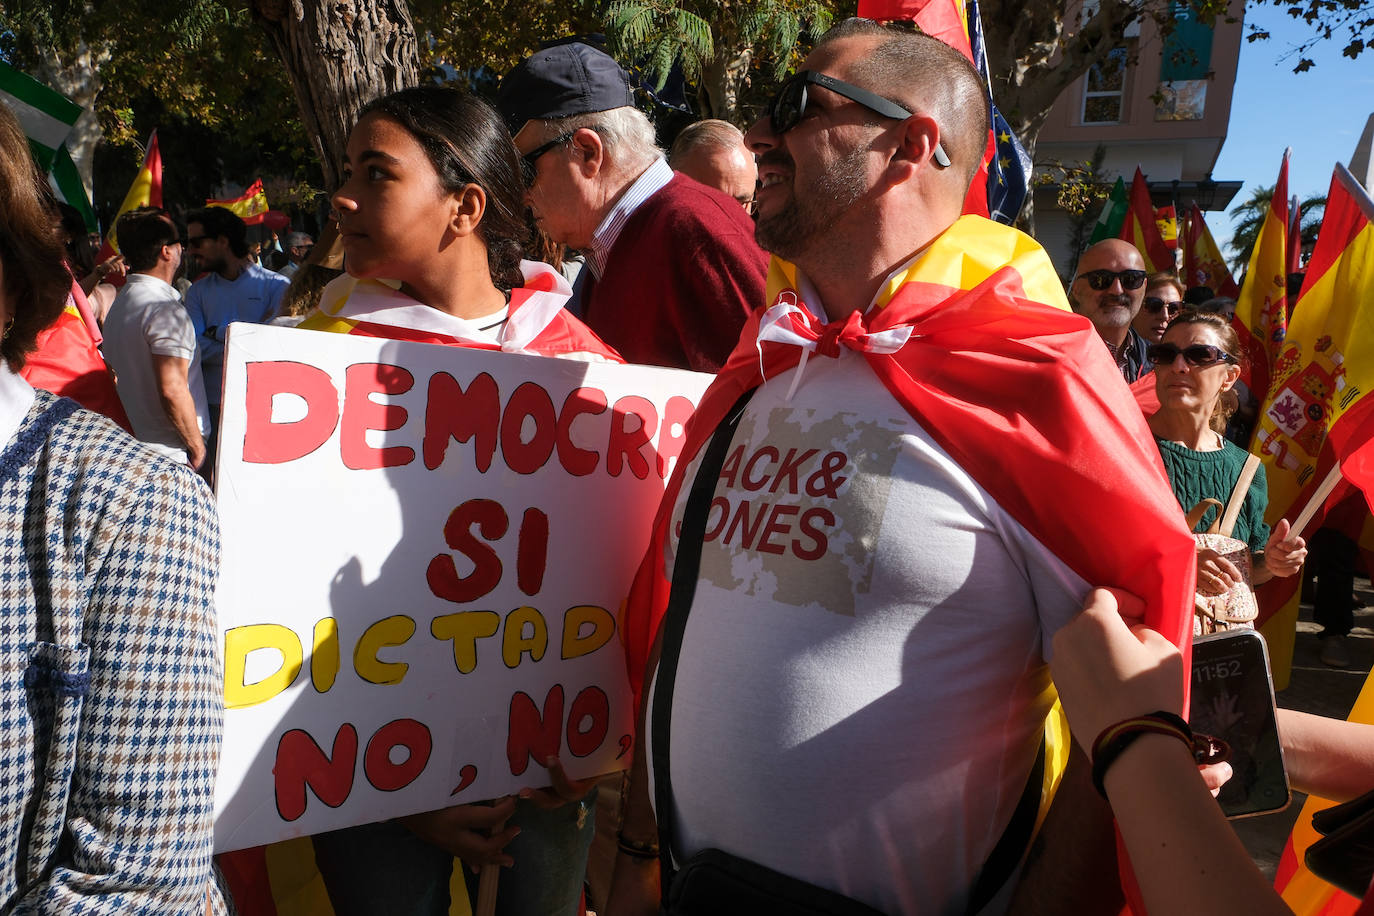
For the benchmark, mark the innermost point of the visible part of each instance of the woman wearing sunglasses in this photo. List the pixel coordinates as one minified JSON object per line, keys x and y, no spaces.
{"x":1195,"y":364}
{"x":1163,"y":300}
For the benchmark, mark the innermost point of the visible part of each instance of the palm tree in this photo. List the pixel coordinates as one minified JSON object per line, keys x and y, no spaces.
{"x":1252,"y":211}
{"x":716,"y":42}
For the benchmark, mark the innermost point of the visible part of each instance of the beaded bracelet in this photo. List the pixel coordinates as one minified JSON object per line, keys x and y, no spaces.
{"x":636,"y":850}
{"x":1116,"y":738}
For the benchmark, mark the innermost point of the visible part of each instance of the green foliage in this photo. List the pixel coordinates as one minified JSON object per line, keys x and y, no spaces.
{"x":482,"y":39}
{"x":1252,"y":211}
{"x":702,"y":36}
{"x":1350,"y":21}
{"x":1080,"y":191}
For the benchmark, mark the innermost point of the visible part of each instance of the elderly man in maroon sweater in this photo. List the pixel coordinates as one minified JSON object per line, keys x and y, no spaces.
{"x":672,"y":269}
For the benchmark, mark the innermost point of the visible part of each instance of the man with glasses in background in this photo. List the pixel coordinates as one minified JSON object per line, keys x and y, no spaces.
{"x":1108,"y":289}
{"x":298,"y":247}
{"x":713,"y":152}
{"x":672,"y":269}
{"x":888,"y":502}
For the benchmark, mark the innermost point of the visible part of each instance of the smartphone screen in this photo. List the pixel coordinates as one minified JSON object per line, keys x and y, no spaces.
{"x":1233,"y":699}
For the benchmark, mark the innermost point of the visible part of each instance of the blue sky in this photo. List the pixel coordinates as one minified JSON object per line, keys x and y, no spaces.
{"x":1320,"y":113}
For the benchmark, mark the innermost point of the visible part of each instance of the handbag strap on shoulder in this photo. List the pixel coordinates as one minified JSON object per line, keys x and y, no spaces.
{"x":1242,"y":489}
{"x":1196,"y":513}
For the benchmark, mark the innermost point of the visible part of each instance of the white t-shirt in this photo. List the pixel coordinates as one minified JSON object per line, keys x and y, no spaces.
{"x":861,"y":690}
{"x":16,"y":397}
{"x":148,"y":319}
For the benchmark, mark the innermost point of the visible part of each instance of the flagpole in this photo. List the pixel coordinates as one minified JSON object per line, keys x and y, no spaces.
{"x":1318,"y":500}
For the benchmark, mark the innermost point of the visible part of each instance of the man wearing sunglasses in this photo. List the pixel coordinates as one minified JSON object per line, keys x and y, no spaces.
{"x":672,"y":269}
{"x":893,"y":495}
{"x":1108,"y":289}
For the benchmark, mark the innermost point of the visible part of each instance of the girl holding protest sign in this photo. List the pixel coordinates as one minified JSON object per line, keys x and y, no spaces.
{"x":431,"y":214}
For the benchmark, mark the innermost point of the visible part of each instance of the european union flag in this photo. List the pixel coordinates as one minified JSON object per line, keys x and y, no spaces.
{"x":1010,"y":168}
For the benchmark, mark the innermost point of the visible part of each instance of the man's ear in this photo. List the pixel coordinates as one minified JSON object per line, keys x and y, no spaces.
{"x":920,"y":135}
{"x":589,"y":154}
{"x":469,"y":203}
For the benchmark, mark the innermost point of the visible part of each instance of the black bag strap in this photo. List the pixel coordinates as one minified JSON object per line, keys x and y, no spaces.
{"x":683,"y":589}
{"x":1015,"y":839}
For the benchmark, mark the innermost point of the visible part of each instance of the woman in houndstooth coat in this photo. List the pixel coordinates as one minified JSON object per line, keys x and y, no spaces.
{"x":109,"y":680}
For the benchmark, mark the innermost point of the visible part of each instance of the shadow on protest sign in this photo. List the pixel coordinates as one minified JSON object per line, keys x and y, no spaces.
{"x":424,"y":551}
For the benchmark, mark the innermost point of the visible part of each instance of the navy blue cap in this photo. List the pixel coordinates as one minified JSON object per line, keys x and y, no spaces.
{"x":559,"y":81}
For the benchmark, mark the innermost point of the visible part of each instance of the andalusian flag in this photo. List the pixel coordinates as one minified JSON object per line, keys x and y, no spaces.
{"x":1141,"y":230}
{"x":250,"y":206}
{"x":1261,"y":313}
{"x":68,"y":187}
{"x":1113,"y":215}
{"x":46,"y":116}
{"x":146,"y":191}
{"x":1316,"y":412}
{"x":1203,"y":264}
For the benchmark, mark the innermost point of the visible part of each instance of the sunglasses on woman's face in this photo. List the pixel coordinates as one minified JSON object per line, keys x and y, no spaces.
{"x":1199,"y":356}
{"x":1102,"y":279}
{"x":1154,"y":305}
{"x":787,"y":107}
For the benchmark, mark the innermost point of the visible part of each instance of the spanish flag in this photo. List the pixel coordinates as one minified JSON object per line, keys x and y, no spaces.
{"x":1203,"y":264}
{"x":1261,"y":314}
{"x":67,"y":361}
{"x":146,"y":191}
{"x":1141,"y":229}
{"x":1166,"y":221}
{"x":946,"y":20}
{"x":1316,"y":412}
{"x":250,"y":206}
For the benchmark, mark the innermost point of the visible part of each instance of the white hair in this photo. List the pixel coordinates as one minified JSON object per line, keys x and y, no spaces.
{"x":626,"y":134}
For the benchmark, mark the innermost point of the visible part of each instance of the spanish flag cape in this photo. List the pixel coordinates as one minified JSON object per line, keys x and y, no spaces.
{"x":282,"y":879}
{"x":536,"y":323}
{"x":67,"y":361}
{"x":1018,"y":390}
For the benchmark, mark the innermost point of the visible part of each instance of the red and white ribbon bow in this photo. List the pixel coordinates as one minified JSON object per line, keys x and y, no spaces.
{"x":789,"y":322}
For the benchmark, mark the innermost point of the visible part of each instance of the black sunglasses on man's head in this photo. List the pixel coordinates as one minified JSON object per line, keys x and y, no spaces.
{"x":787,"y":107}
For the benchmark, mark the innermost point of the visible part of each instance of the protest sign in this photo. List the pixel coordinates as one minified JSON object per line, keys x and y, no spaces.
{"x":424,"y":552}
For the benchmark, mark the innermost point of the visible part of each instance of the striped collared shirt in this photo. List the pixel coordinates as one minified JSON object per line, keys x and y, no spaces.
{"x":650,"y":181}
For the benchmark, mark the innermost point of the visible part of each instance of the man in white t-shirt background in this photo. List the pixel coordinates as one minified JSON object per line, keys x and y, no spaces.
{"x":151,"y":344}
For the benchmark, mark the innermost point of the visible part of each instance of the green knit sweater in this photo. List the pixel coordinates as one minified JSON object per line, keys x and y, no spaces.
{"x":1195,"y":476}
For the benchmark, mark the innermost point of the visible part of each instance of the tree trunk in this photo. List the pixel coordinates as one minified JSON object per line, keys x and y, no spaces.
{"x":1034,"y":55}
{"x":79,"y":81}
{"x":340,"y":55}
{"x":721,"y":81}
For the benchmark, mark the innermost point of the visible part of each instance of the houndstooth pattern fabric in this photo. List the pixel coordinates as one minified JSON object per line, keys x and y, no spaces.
{"x":110,"y":704}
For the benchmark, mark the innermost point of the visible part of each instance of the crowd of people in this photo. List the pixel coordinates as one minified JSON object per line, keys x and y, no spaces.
{"x":859,"y":725}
